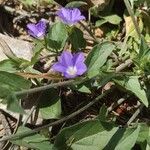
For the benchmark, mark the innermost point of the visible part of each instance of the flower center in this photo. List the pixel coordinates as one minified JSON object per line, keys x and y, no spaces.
{"x":71,"y":70}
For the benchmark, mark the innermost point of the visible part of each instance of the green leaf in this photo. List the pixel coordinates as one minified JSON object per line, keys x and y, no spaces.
{"x":113,"y":19}
{"x":128,"y":140}
{"x":9,"y":83}
{"x":117,"y":139}
{"x":8,"y":66}
{"x":13,"y":82}
{"x":50,"y":104}
{"x":35,"y":141}
{"x":100,"y":22}
{"x":103,"y":113}
{"x":13,"y":104}
{"x":96,"y":135}
{"x":132,"y":84}
{"x":98,"y":57}
{"x":144,"y":133}
{"x":76,"y":4}
{"x":57,"y":36}
{"x":36,"y":52}
{"x":77,"y":40}
{"x":75,"y":133}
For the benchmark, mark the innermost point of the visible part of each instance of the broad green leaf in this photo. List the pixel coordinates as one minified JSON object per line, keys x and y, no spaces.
{"x":144,"y":133}
{"x":9,"y":83}
{"x":57,"y":36}
{"x":13,"y":82}
{"x":8,"y":66}
{"x":50,"y":105}
{"x":35,"y":141}
{"x":132,"y":84}
{"x":113,"y":19}
{"x":128,"y":140}
{"x":103,"y":113}
{"x":77,"y":40}
{"x":100,"y":22}
{"x":96,"y":135}
{"x":117,"y":139}
{"x":98,"y":57}
{"x":77,"y":132}
{"x":13,"y":104}
{"x":76,"y":4}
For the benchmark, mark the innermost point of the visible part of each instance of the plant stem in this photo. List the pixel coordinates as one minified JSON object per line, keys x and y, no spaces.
{"x":135,"y":115}
{"x":45,"y":87}
{"x":90,"y":33}
{"x":24,"y":134}
{"x":133,"y":18}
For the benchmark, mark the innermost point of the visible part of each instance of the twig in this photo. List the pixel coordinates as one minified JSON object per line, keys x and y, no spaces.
{"x":124,"y":65}
{"x":32,"y":110}
{"x":135,"y":115}
{"x":45,"y":87}
{"x":23,"y":134}
{"x":90,"y":33}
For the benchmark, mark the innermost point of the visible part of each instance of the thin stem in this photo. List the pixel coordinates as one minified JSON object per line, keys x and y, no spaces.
{"x":23,"y":134}
{"x":135,"y":115}
{"x":90,"y":33}
{"x":45,"y":87}
{"x":133,"y":18}
{"x":124,"y":65}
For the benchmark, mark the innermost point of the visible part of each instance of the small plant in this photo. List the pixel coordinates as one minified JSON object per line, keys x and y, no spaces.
{"x":112,"y":66}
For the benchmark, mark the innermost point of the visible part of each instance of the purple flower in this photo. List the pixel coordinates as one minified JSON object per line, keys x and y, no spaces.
{"x":70,"y":16}
{"x":70,"y":65}
{"x":37,"y":30}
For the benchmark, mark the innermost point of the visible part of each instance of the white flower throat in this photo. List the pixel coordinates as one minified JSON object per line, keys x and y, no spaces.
{"x":71,"y":70}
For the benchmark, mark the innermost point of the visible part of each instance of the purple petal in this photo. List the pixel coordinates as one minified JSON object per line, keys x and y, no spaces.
{"x":37,"y":30}
{"x":69,"y":76}
{"x":58,"y":67}
{"x":32,"y":30}
{"x":77,"y":15}
{"x":66,"y":59}
{"x":81,"y":68}
{"x":70,"y":15}
{"x":78,"y":58}
{"x":41,"y":26}
{"x":64,"y":15}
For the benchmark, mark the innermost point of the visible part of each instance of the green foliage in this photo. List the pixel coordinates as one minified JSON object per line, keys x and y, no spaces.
{"x":34,"y":141}
{"x":50,"y":105}
{"x":76,"y":39}
{"x":119,"y":41}
{"x":96,"y":135}
{"x":9,"y":83}
{"x":113,"y":19}
{"x":12,"y":82}
{"x":132,"y":84}
{"x":36,"y":51}
{"x":8,"y":66}
{"x":98,"y":57}
{"x":57,"y":36}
